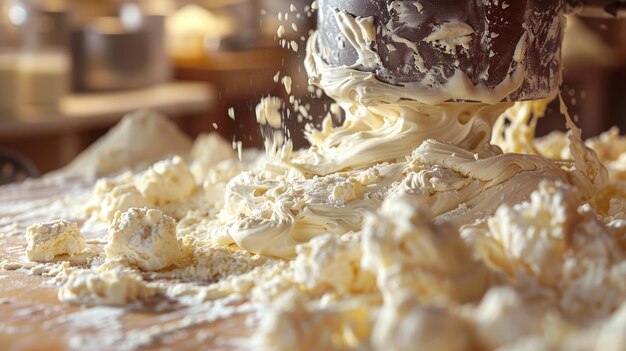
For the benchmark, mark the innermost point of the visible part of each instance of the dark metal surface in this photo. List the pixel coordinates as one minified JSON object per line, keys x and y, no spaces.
{"x":509,"y":23}
{"x":108,"y":57}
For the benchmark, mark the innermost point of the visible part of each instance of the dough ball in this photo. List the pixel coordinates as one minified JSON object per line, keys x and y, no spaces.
{"x":145,"y":238}
{"x":121,"y":198}
{"x":166,"y":182}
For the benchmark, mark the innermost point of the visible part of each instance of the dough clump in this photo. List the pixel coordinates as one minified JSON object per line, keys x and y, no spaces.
{"x":51,"y":239}
{"x":404,"y":323}
{"x":166,"y":182}
{"x":410,"y":253}
{"x":164,"y":185}
{"x":145,"y":238}
{"x":553,"y":243}
{"x":331,"y":262}
{"x":121,"y":198}
{"x":114,"y":287}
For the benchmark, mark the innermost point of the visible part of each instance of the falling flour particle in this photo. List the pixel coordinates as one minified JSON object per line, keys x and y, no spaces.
{"x":268,"y":112}
{"x":239,"y":150}
{"x":287,"y":83}
{"x":303,"y":110}
{"x":231,"y":113}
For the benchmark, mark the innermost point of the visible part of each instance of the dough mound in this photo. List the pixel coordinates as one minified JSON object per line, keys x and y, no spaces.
{"x":114,"y":287}
{"x":145,"y":238}
{"x":166,"y":182}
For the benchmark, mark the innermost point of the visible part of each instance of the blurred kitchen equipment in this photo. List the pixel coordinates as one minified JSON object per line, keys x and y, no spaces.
{"x":43,"y":66}
{"x":190,"y":29}
{"x":245,"y":14}
{"x":8,"y":82}
{"x":200,"y":26}
{"x":14,"y":167}
{"x":125,"y":50}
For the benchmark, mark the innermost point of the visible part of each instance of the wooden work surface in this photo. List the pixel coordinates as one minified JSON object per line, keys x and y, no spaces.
{"x":32,"y":318}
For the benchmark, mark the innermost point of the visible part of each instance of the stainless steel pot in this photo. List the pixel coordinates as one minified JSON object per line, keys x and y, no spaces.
{"x":106,"y":55}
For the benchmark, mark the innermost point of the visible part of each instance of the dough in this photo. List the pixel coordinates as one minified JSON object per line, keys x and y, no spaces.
{"x":405,"y":325}
{"x":294,"y":323}
{"x":116,"y":287}
{"x":138,"y":140}
{"x":166,"y":182}
{"x":408,"y":252}
{"x":553,"y":242}
{"x":332,"y":262}
{"x":121,"y":198}
{"x":208,"y":151}
{"x":145,"y":238}
{"x":51,"y":239}
{"x":502,"y":317}
{"x":409,"y":225}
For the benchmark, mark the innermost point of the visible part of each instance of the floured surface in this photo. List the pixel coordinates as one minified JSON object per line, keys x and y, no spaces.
{"x":408,"y":224}
{"x":31,"y":318}
{"x":349,"y":276}
{"x":29,"y":305}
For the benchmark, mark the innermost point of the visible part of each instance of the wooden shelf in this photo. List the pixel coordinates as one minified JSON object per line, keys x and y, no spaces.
{"x":263,"y":58}
{"x":89,"y":111}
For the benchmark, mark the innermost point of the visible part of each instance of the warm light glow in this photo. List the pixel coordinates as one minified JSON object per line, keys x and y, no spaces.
{"x":131,"y":16}
{"x":18,"y":14}
{"x":192,"y":26}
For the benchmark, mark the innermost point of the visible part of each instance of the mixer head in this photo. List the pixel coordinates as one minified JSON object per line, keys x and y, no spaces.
{"x":507,"y":50}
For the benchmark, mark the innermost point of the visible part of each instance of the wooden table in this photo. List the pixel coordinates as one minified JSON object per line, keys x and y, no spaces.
{"x":32,"y":318}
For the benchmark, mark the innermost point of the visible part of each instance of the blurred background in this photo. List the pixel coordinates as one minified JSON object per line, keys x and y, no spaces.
{"x":71,"y":69}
